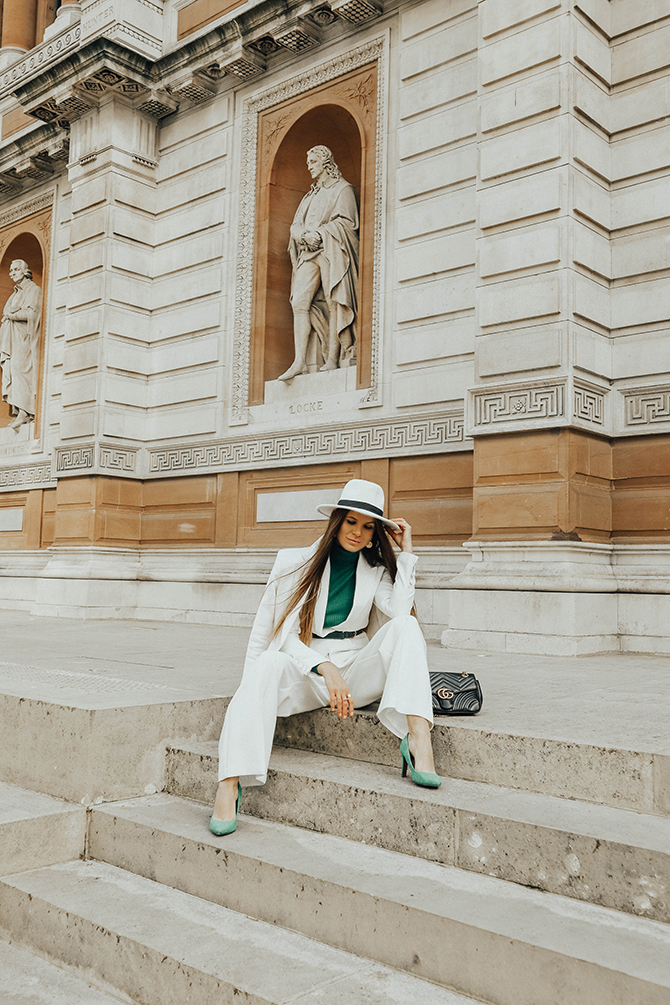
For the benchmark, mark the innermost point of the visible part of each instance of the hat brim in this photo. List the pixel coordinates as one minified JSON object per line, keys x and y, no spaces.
{"x":326,"y":510}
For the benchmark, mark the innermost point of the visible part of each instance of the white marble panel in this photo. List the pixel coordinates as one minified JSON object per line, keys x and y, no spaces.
{"x":122,"y":389}
{"x":435,"y":341}
{"x":430,"y":385}
{"x":84,"y":259}
{"x":91,"y":224}
{"x":436,"y":299}
{"x":200,"y":150}
{"x":641,"y":154}
{"x":182,"y":387}
{"x":444,"y":86}
{"x":438,"y":48}
{"x":518,"y":200}
{"x":592,"y":148}
{"x":592,"y":250}
{"x":521,"y":149}
{"x":641,"y":354}
{"x":639,"y":253}
{"x":535,"y":95}
{"x":185,"y":188}
{"x":174,"y":289}
{"x":451,"y":209}
{"x":193,"y":219}
{"x":592,"y":199}
{"x":517,"y":299}
{"x":134,"y":225}
{"x":521,"y":52}
{"x":515,"y":352}
{"x":530,"y":247}
{"x":197,"y":251}
{"x":443,"y":254}
{"x":592,"y":50}
{"x":77,"y":423}
{"x":131,"y":258}
{"x":288,"y":507}
{"x":180,"y":129}
{"x":187,"y":352}
{"x":84,"y":292}
{"x":192,"y":317}
{"x":437,"y":130}
{"x":435,"y":173}
{"x":591,"y":300}
{"x":431,"y":14}
{"x":131,"y":291}
{"x":643,"y":53}
{"x":90,"y":193}
{"x":84,"y":356}
{"x":176,"y":422}
{"x":500,"y":15}
{"x":641,"y":303}
{"x":11,"y":519}
{"x":593,"y":99}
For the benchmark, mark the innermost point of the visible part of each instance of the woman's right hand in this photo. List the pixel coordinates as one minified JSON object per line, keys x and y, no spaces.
{"x":340,"y":696}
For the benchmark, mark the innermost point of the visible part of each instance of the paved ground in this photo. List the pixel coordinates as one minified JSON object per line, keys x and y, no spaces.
{"x":619,"y":700}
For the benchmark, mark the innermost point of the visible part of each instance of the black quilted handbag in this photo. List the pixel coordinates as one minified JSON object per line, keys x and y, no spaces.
{"x":455,"y":693}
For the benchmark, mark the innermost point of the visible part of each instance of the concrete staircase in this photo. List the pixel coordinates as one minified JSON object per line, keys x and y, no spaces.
{"x":344,"y":883}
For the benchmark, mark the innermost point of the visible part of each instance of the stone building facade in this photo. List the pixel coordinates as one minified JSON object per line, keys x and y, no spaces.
{"x":511,"y":387}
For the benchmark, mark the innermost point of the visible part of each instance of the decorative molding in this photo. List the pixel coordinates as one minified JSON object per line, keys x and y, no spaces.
{"x":28,"y":476}
{"x":588,"y":404}
{"x":75,"y":458}
{"x":646,"y":407}
{"x":26,"y":208}
{"x":39,"y":58}
{"x":113,"y":458}
{"x":430,"y":434}
{"x":298,"y":84}
{"x":519,"y":404}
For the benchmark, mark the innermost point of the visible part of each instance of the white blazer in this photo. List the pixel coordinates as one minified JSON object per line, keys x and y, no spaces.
{"x":373,"y":587}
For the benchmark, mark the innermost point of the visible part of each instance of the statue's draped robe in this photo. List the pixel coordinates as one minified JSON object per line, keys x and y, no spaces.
{"x":19,"y":347}
{"x":331,"y":210}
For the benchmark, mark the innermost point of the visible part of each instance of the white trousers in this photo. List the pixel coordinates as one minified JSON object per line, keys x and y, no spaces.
{"x":391,"y":667}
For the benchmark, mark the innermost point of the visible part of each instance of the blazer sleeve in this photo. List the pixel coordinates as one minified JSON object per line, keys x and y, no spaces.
{"x":261,"y":632}
{"x":396,"y":599}
{"x":305,"y":657}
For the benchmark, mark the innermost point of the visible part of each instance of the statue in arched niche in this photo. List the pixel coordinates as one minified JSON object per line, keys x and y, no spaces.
{"x":323,"y":247}
{"x":19,"y":334}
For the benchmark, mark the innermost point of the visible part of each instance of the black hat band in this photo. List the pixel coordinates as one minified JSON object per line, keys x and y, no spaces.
{"x":355,"y":504}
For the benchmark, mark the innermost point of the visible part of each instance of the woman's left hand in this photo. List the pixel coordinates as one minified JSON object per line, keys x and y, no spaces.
{"x":402,"y":538}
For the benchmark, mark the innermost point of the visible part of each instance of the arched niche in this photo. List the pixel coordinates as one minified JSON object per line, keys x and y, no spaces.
{"x":28,"y":240}
{"x":342,"y":116}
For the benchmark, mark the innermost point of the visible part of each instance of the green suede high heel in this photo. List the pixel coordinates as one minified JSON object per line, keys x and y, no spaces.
{"x":221,"y":827}
{"x":426,"y":778}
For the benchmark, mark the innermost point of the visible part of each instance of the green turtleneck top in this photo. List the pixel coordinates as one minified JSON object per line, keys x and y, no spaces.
{"x":341,"y":587}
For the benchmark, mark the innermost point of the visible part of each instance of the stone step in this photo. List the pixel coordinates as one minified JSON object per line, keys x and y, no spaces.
{"x":161,"y":946}
{"x":25,"y":979}
{"x":611,"y":775}
{"x":37,"y":830}
{"x":612,"y":857}
{"x":478,"y":935}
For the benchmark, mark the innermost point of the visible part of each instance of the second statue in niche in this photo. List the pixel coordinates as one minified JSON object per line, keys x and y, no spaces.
{"x":324,"y":255}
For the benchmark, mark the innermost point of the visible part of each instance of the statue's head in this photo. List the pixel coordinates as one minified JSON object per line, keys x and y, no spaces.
{"x":325,"y":158}
{"x":19,"y":270}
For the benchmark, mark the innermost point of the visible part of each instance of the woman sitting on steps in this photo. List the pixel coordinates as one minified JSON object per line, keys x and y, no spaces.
{"x":309,"y":648}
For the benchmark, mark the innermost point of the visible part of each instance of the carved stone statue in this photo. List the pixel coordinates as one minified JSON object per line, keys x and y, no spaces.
{"x":324,"y":254}
{"x":19,"y":334}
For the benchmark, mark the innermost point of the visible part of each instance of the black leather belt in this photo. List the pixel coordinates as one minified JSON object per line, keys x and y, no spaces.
{"x":340,"y":635}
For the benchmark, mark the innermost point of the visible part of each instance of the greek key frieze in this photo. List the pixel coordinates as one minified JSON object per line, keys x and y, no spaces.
{"x":426,"y":436}
{"x":80,"y":458}
{"x":544,"y":402}
{"x":646,"y":408}
{"x":28,"y":476}
{"x":588,"y":405}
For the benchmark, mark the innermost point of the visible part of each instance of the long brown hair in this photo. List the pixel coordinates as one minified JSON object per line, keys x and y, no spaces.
{"x":307,"y":590}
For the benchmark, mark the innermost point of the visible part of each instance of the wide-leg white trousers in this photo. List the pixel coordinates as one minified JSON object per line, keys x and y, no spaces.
{"x":391,"y":667}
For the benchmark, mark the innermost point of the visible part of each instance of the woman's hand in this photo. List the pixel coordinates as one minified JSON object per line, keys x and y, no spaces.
{"x":340,"y":696}
{"x":403,"y":538}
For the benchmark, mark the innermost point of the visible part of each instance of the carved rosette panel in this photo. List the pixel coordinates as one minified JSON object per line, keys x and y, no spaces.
{"x":265,"y":142}
{"x":429,"y":435}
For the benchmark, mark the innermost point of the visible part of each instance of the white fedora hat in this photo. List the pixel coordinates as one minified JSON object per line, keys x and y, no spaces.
{"x":361,"y":497}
